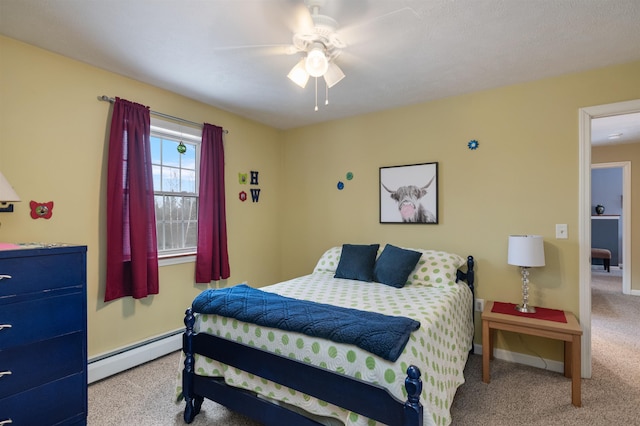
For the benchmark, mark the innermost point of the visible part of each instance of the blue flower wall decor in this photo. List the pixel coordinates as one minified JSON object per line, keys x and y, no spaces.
{"x":473,"y":144}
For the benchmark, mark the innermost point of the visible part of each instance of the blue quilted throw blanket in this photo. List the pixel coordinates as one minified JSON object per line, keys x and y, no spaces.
{"x":382,"y":335}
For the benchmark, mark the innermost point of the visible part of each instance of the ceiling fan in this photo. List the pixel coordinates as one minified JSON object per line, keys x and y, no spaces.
{"x":317,"y":38}
{"x":321,"y":45}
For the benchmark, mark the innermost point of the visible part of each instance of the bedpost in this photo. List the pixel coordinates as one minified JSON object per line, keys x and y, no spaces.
{"x":190,"y":409}
{"x":413,"y":408}
{"x":470,"y":272}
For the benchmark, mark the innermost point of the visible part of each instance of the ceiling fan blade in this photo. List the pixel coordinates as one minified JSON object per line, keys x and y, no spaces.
{"x":380,"y":26}
{"x":277,"y":21}
{"x":291,"y":14}
{"x":261,"y":49}
{"x":299,"y":19}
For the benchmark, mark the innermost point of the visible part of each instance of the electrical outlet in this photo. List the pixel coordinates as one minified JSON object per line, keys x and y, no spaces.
{"x":479,"y":305}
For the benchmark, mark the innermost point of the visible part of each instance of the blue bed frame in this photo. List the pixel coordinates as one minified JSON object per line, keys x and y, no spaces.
{"x":367,"y":399}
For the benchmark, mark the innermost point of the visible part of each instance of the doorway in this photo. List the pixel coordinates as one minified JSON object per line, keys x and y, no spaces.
{"x":585,"y":115}
{"x":624,"y":211}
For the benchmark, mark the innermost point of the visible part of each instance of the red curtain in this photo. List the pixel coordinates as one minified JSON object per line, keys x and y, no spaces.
{"x":212,"y":258}
{"x":132,"y":250}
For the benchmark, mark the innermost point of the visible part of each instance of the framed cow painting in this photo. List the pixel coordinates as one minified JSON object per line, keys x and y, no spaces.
{"x":409,"y":194}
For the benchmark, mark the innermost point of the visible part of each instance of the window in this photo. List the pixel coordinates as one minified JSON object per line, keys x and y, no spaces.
{"x":175,"y":186}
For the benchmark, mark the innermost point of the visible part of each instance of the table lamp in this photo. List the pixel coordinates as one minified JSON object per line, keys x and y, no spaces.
{"x":525,"y":251}
{"x":7,"y":195}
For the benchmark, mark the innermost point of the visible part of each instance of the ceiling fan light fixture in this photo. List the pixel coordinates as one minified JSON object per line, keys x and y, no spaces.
{"x":333,"y":75}
{"x":299,"y":74}
{"x":316,"y":62}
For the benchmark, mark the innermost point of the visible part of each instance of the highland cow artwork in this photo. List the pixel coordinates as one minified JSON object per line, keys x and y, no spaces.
{"x":409,"y":194}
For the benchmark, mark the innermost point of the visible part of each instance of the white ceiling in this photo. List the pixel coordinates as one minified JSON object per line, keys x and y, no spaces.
{"x":616,"y":129}
{"x":399,"y":52}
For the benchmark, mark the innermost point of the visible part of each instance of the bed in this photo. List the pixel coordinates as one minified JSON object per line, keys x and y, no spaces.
{"x":281,"y":377}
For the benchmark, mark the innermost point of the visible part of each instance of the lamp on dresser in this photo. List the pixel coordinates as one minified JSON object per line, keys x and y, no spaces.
{"x":525,"y":251}
{"x":7,"y":195}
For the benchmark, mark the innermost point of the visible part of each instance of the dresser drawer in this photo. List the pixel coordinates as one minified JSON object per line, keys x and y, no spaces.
{"x":63,"y":402}
{"x":41,"y":319}
{"x":29,"y":366}
{"x":30,"y":274}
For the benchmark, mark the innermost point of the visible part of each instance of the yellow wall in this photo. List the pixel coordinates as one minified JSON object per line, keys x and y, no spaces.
{"x":522,"y":179}
{"x":53,"y":148}
{"x":626,"y":152}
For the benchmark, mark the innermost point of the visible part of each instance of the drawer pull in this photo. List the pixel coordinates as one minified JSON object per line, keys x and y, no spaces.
{"x":5,"y":373}
{"x":4,"y":277}
{"x":2,"y":327}
{"x":6,"y":422}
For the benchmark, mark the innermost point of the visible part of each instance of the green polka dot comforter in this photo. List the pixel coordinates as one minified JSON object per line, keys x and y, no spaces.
{"x":439,"y":347}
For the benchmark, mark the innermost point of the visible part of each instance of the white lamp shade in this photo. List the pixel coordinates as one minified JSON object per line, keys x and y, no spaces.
{"x":7,"y":194}
{"x":526,"y":250}
{"x":333,"y":75}
{"x":316,"y":62}
{"x":299,"y":74}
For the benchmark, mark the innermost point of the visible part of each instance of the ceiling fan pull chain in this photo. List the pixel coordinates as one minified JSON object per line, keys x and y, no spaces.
{"x":326,"y":94}
{"x":316,"y":94}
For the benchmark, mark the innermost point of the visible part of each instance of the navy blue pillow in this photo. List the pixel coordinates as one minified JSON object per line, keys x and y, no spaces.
{"x":356,"y":262}
{"x":394,"y":266}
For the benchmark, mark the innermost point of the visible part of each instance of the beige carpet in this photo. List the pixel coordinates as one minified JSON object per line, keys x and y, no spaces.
{"x":517,"y":394}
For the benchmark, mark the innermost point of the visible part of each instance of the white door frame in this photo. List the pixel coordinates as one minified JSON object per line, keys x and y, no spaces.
{"x":584,"y":214}
{"x":626,"y":219}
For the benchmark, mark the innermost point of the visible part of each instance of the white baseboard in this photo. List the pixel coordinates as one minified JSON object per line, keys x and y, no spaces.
{"x":115,"y":362}
{"x":533,"y":361}
{"x":105,"y":365}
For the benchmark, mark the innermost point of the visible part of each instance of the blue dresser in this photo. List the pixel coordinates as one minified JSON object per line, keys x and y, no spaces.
{"x":43,"y":336}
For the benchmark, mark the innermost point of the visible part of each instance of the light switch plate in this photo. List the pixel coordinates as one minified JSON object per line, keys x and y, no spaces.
{"x":561,"y":231}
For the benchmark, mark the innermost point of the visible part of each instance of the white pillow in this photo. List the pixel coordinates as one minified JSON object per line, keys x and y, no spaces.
{"x":436,"y":268}
{"x":328,"y":262}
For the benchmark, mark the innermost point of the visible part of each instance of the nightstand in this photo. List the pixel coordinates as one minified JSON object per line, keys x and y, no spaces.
{"x":570,"y":332}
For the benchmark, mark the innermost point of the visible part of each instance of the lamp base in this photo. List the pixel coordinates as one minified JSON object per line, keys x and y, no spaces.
{"x":525,"y":309}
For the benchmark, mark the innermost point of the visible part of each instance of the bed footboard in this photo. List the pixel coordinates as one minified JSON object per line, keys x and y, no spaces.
{"x":367,"y":399}
{"x":193,"y":402}
{"x":469,"y":278}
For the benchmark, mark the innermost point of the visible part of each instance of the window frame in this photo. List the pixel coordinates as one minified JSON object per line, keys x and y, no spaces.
{"x":191,"y":136}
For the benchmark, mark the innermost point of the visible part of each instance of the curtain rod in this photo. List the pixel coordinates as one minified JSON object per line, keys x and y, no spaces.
{"x":160,"y":114}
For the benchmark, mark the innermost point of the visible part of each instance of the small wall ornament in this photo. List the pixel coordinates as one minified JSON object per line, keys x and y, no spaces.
{"x":473,"y":144}
{"x":41,"y":210}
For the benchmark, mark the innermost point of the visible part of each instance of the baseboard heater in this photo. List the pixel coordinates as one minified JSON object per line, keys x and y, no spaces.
{"x":114,"y":362}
